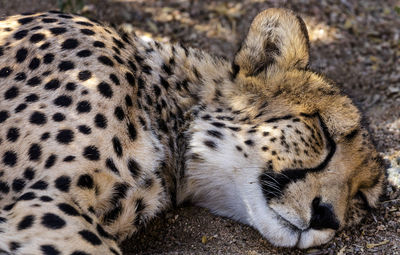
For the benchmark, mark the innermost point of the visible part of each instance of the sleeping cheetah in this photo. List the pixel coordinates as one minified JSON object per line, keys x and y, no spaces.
{"x":102,"y":130}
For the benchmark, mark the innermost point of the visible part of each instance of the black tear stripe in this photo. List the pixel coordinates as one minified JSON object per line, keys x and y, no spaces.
{"x":279,"y":181}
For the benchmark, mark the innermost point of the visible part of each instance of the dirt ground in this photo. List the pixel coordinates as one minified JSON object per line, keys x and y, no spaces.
{"x":355,"y":43}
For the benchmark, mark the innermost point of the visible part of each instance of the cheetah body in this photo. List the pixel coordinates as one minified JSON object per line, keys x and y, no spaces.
{"x":101,"y":131}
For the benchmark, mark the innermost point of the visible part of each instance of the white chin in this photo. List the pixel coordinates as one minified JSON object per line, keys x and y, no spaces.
{"x":312,"y":237}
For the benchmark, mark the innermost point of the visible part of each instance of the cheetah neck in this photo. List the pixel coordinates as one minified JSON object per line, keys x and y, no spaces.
{"x":188,"y":79}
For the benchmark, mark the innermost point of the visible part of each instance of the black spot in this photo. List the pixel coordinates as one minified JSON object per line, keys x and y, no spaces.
{"x":4,"y":188}
{"x":37,"y":37}
{"x":113,"y":214}
{"x":164,"y":83}
{"x":34,"y":152}
{"x":132,"y":131}
{"x":65,"y":136}
{"x":35,"y":62}
{"x":84,"y":129}
{"x":18,"y":184}
{"x":90,"y":237}
{"x":69,"y":44}
{"x":275,"y":119}
{"x":26,"y":222}
{"x":83,"y":23}
{"x":4,"y":115}
{"x":162,"y":125}
{"x":70,"y":86}
{"x":91,"y":153}
{"x":65,"y":16}
{"x":29,"y":173}
{"x":85,"y":181}
{"x":45,"y":199}
{"x":105,"y":89}
{"x":15,"y":246}
{"x":20,"y":108}
{"x":128,"y":101}
{"x":50,"y":161}
{"x":49,"y":250}
{"x":24,"y":21}
{"x":113,"y":251}
{"x":9,"y":207}
{"x":157,"y":90}
{"x":63,"y":183}
{"x":87,"y":218}
{"x":215,"y":133}
{"x":84,"y":75}
{"x":20,"y":76}
{"x":100,"y":121}
{"x":119,"y":113}
{"x":118,"y":43}
{"x":45,"y":136}
{"x":31,"y":98}
{"x":130,"y":78}
{"x":352,"y":134}
{"x":13,"y":134}
{"x":140,"y":206}
{"x":38,"y":118}
{"x":68,"y":209}
{"x":134,"y":167}
{"x":114,"y":79}
{"x":58,"y":117}
{"x":69,"y":158}
{"x":44,"y":46}
{"x":110,"y":165}
{"x":66,"y":65}
{"x":49,"y":20}
{"x":5,"y":71}
{"x":83,"y":106}
{"x":48,"y":58}
{"x":87,"y":31}
{"x":20,"y":34}
{"x":84,"y":53}
{"x":99,"y":44}
{"x":117,"y":146}
{"x":10,"y":158}
{"x":210,"y":144}
{"x":34,"y":81}
{"x":105,"y":61}
{"x":249,"y":142}
{"x":218,"y":124}
{"x":40,"y":185}
{"x":58,"y":30}
{"x":21,"y":54}
{"x":27,"y":196}
{"x":103,"y":233}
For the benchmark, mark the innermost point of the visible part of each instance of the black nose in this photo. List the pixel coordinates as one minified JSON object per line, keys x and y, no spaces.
{"x":323,"y":215}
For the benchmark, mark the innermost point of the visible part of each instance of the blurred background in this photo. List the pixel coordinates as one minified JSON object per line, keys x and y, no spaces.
{"x":355,"y":43}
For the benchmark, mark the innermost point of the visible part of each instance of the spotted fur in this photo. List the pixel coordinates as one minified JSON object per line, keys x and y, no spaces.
{"x":102,"y":130}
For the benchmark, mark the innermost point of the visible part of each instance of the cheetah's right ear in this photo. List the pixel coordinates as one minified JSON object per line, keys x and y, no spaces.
{"x":277,"y":40}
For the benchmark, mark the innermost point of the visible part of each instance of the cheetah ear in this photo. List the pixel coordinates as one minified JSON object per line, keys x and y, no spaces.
{"x":277,"y":40}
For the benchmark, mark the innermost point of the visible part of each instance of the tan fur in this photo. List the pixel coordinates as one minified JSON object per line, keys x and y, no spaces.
{"x":189,"y":126}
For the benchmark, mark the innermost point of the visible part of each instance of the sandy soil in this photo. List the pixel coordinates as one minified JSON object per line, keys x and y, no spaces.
{"x":355,"y":43}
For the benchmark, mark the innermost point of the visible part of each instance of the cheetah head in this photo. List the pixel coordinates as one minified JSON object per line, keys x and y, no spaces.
{"x":282,"y":149}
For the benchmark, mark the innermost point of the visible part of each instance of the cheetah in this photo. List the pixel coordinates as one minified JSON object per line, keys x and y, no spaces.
{"x":101,"y":130}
